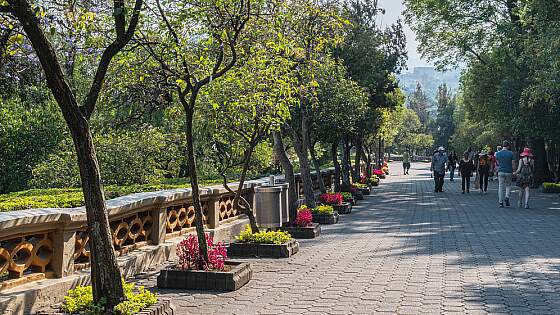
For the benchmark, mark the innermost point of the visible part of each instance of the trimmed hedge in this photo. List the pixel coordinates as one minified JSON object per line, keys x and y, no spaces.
{"x":73,"y":197}
{"x":551,"y":188}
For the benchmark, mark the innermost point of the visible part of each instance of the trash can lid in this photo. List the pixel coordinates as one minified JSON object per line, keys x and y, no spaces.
{"x":268,"y":189}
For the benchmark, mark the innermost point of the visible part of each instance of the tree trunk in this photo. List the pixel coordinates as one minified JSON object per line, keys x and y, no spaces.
{"x":542,"y":172}
{"x":322,"y":187}
{"x":306,"y":179}
{"x":334,"y":153}
{"x":288,"y":173}
{"x":105,"y":270}
{"x":195,"y":190}
{"x":246,"y":208}
{"x":345,"y":164}
{"x":358,"y":159}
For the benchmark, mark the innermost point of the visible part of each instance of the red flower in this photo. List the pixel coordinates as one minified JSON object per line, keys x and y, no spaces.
{"x":190,"y":258}
{"x":304,"y":218}
{"x":331,"y":199}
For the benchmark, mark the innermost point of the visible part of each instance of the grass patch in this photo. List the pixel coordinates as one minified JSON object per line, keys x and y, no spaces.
{"x":73,"y":197}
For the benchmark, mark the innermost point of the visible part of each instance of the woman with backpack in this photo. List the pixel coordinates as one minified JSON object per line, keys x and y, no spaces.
{"x":525,"y":174}
{"x":483,"y":171}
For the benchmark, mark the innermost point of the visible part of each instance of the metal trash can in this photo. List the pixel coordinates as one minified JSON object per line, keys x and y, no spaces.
{"x":284,"y":201}
{"x":268,"y":206}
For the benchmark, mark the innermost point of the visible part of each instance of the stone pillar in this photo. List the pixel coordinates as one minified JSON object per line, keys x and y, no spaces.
{"x":214,"y":209}
{"x":159,"y":230}
{"x":64,"y":243}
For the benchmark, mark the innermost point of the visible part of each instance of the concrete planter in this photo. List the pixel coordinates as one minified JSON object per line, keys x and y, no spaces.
{"x":163,"y":307}
{"x":358,"y":195}
{"x":237,"y":249}
{"x":231,"y":280}
{"x":344,"y":208}
{"x":325,"y":218}
{"x":307,"y":232}
{"x":365,"y":191}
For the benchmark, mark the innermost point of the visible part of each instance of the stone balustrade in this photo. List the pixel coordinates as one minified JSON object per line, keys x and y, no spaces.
{"x":52,"y":243}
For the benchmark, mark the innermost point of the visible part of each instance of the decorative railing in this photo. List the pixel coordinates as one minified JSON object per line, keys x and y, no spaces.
{"x":52,"y":243}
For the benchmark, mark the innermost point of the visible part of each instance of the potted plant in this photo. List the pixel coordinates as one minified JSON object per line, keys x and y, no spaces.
{"x":348,"y":197}
{"x":325,"y":214}
{"x":379,"y":173}
{"x":138,"y":299}
{"x":356,"y":193}
{"x":303,"y":226}
{"x":194,"y":273}
{"x":364,"y":188}
{"x":336,"y":200}
{"x":264,"y":244}
{"x":374,"y":180}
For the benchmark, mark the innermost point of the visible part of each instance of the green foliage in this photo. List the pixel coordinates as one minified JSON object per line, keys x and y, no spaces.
{"x":73,"y":197}
{"x":125,"y":158}
{"x":323,"y":209}
{"x":551,"y":188}
{"x":27,"y":135}
{"x":80,"y":300}
{"x":263,"y":237}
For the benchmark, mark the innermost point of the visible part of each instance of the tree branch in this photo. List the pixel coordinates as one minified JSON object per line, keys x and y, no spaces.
{"x":110,"y":52}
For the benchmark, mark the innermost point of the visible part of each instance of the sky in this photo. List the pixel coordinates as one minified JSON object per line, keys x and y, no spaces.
{"x":393,"y":10}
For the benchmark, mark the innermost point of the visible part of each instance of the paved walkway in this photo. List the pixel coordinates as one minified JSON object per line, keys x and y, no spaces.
{"x":405,"y":250}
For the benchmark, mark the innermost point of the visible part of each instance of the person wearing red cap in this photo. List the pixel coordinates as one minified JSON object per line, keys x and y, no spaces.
{"x":525,"y":172}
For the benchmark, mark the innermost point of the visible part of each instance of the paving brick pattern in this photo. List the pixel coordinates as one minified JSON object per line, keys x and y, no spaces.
{"x":407,"y":250}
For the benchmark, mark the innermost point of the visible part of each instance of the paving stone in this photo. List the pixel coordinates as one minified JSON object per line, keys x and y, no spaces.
{"x":406,"y":250}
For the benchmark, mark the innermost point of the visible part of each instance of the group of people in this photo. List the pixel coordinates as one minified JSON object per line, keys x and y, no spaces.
{"x":487,"y":165}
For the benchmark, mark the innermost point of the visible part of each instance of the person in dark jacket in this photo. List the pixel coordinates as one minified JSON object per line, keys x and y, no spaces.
{"x":466,"y":168}
{"x":483,"y":171}
{"x":452,"y":163}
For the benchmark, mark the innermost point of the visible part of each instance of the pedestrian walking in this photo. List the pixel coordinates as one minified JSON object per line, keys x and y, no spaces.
{"x":492,"y":157}
{"x":505,"y":172}
{"x":525,"y":174}
{"x":452,"y":164}
{"x":406,"y":162}
{"x":439,"y":165}
{"x":483,"y":171}
{"x":466,"y":168}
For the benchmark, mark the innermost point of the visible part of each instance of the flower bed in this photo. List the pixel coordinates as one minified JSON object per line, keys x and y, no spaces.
{"x":80,"y":301}
{"x":303,"y":227}
{"x":234,"y":276}
{"x":551,"y":188}
{"x":363,"y":188}
{"x":194,"y":273}
{"x":325,"y":214}
{"x":331,"y":198}
{"x":265,"y":244}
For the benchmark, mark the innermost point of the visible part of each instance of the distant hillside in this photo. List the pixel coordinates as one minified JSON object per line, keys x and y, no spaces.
{"x":430,"y":79}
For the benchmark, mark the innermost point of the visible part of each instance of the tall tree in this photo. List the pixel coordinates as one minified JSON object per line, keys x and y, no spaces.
{"x":105,"y":270}
{"x":445,"y":126}
{"x":419,"y":103}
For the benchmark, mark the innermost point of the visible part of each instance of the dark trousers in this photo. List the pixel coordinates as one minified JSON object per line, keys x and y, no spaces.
{"x":465,"y":182}
{"x":406,"y":167}
{"x":451,"y":172}
{"x":483,"y":177}
{"x":438,"y":179}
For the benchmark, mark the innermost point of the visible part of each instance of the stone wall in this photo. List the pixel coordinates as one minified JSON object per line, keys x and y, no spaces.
{"x":39,"y":244}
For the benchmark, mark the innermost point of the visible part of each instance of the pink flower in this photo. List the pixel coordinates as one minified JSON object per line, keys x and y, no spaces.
{"x":304,"y":218}
{"x":190,"y":258}
{"x":331,"y":199}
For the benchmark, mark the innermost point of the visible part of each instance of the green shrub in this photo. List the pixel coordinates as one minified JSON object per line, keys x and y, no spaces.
{"x":264,"y":237}
{"x":73,"y":197}
{"x":360,"y":186}
{"x":125,"y":158}
{"x":347,"y":196}
{"x":551,"y":188}
{"x":80,"y":300}
{"x":323,"y":209}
